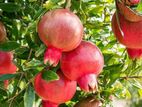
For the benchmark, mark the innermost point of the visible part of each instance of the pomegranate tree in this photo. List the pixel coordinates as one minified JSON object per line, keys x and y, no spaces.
{"x":83,"y":64}
{"x":55,"y":92}
{"x":2,"y":32}
{"x":128,"y":33}
{"x":60,"y":30}
{"x":134,"y":53}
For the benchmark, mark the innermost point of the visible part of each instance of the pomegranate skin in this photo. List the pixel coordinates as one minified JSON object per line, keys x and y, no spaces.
{"x":132,"y":31}
{"x":6,"y":64}
{"x":60,"y":30}
{"x":48,"y":104}
{"x":83,"y":64}
{"x":56,"y":92}
{"x":135,"y":1}
{"x":2,"y":32}
{"x":134,"y":53}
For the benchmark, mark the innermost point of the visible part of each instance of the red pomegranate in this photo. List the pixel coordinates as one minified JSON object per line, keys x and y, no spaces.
{"x":54,"y":92}
{"x":6,"y":64}
{"x":60,"y":30}
{"x":134,"y":53}
{"x":83,"y":64}
{"x":2,"y":32}
{"x":132,"y":32}
{"x":131,"y":2}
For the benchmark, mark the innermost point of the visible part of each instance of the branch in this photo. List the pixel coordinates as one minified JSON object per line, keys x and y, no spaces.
{"x":68,"y":4}
{"x":131,"y":77}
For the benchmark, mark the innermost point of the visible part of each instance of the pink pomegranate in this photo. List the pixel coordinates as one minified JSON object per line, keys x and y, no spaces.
{"x":61,"y":31}
{"x":83,"y":64}
{"x":132,"y":32}
{"x":55,"y":92}
{"x":134,"y":1}
{"x":6,"y":64}
{"x":130,"y":2}
{"x":134,"y":53}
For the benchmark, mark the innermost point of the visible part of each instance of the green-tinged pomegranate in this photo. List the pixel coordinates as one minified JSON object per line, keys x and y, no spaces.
{"x":60,"y":30}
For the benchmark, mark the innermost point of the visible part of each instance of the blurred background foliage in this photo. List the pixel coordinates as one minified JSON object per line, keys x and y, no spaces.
{"x":121,"y":77}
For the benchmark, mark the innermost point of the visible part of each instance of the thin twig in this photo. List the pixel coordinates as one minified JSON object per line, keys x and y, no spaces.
{"x":138,"y":77}
{"x":68,"y":4}
{"x":31,"y":50}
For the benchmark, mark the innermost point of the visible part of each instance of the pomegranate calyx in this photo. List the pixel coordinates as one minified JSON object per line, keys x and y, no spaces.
{"x":52,"y":56}
{"x":48,"y":104}
{"x":88,"y":82}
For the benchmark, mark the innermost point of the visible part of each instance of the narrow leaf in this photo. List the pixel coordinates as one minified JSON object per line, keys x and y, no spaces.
{"x":29,"y":97}
{"x":7,"y":76}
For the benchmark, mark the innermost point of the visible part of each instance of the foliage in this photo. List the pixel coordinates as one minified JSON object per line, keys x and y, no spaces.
{"x":121,"y":77}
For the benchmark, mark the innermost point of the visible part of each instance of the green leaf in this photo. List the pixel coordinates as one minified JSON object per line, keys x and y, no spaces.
{"x":7,"y":76}
{"x":9,"y":7}
{"x":29,"y":97}
{"x":40,"y":50}
{"x":9,"y":46}
{"x":49,"y":76}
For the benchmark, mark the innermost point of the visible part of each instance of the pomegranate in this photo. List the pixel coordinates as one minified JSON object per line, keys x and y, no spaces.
{"x":2,"y":32}
{"x":6,"y":64}
{"x":134,"y":1}
{"x":60,"y":30}
{"x":54,"y":92}
{"x":131,"y":2}
{"x":134,"y":53}
{"x":83,"y":64}
{"x":89,"y":102}
{"x":132,"y":32}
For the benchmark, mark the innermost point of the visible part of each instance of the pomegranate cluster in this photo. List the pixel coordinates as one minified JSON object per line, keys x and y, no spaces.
{"x":6,"y":64}
{"x":80,"y":61}
{"x":129,"y":32}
